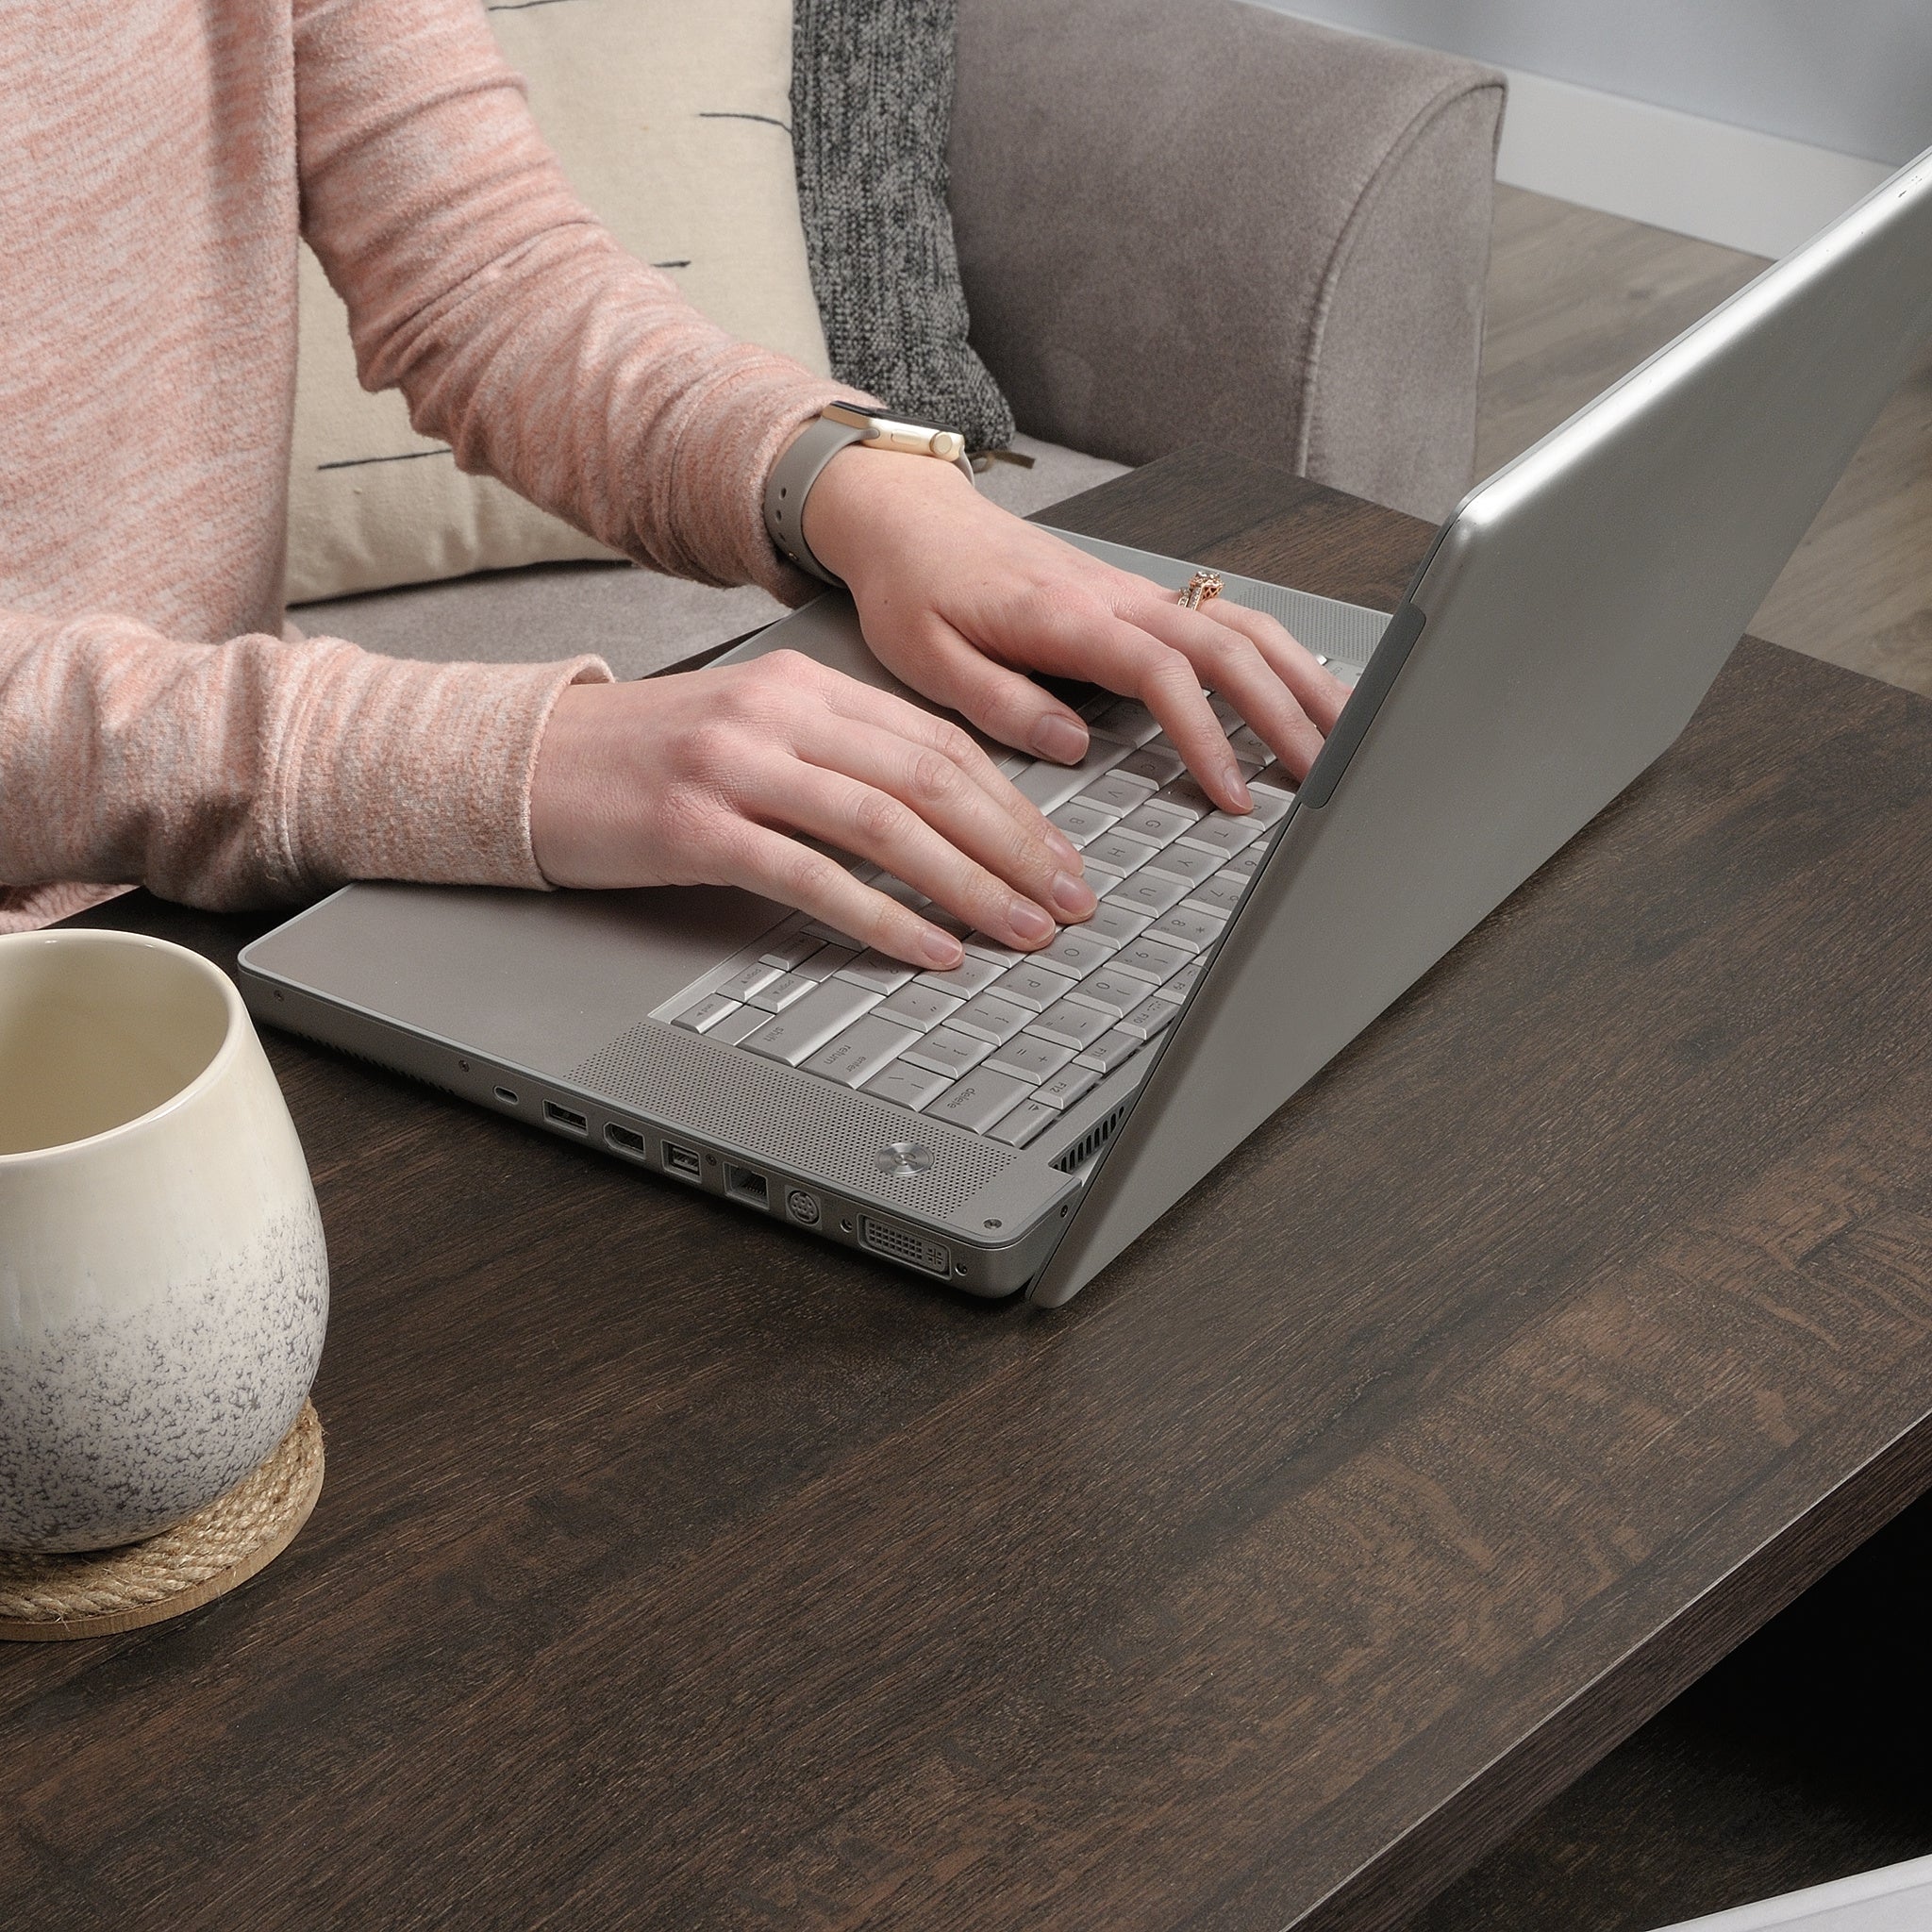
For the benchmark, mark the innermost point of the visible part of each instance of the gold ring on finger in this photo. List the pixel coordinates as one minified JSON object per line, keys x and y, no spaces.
{"x":1203,"y":587}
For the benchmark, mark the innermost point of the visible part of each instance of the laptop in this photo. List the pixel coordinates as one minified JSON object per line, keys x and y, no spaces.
{"x":1012,"y":1125}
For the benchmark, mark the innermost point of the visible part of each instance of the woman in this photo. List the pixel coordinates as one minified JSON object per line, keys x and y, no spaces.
{"x":161,"y":155}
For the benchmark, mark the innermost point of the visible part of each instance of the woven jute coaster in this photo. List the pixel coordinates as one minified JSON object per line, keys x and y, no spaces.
{"x":96,"y":1593}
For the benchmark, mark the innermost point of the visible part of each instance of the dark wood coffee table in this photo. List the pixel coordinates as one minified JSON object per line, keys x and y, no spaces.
{"x":674,"y":1571}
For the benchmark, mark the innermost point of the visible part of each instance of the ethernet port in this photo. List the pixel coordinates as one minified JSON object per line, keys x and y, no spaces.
{"x":742,"y":1184}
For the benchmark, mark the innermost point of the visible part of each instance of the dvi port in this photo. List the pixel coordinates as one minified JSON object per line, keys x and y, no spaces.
{"x":903,"y":1244}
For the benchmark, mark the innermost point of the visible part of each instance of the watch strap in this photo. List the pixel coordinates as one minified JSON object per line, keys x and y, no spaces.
{"x":790,"y":482}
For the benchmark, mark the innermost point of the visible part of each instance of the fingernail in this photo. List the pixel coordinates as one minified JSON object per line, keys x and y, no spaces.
{"x":1065,"y":847}
{"x":1237,"y":787}
{"x":1073,"y":896}
{"x":1030,"y":922}
{"x":1057,"y":737}
{"x":941,"y":949}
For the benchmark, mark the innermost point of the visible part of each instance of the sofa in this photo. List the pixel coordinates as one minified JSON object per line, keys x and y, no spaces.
{"x":1178,"y":222}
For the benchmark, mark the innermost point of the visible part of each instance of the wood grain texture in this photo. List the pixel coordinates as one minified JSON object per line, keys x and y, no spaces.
{"x":678,"y":1571}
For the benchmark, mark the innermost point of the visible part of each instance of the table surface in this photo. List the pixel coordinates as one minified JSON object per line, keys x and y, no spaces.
{"x":675,"y":1570}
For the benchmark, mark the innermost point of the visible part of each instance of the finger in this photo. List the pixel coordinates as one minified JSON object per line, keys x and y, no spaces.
{"x":1026,"y":851}
{"x":861,"y":818}
{"x":1319,"y":691}
{"x":1227,"y":661}
{"x":765,"y":862}
{"x":848,"y":697}
{"x":1005,"y":704}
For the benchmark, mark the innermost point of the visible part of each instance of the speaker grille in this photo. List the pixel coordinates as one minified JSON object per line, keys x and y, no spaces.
{"x":794,"y":1120}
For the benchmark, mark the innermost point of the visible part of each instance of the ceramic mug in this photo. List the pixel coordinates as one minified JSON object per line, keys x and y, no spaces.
{"x":163,"y":1285}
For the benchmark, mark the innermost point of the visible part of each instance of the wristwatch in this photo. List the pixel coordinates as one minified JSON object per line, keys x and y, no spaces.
{"x":839,"y":426}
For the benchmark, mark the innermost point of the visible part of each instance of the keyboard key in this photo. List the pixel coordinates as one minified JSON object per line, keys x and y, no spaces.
{"x":789,"y":951}
{"x":1191,"y":863}
{"x":1070,"y":1023}
{"x":1026,"y":1122}
{"x":983,"y":946}
{"x":1271,"y":806}
{"x":1032,"y":984}
{"x":1118,"y":923}
{"x":1149,"y":961}
{"x":1117,"y":793}
{"x":1118,"y":853}
{"x":1223,"y":893}
{"x":1111,"y":1049}
{"x":1069,"y":1085}
{"x":909,"y":1086}
{"x":971,"y":975}
{"x":1128,"y":720}
{"x":1156,"y":763}
{"x":991,"y":1018}
{"x":1248,"y":743}
{"x":1192,"y":931}
{"x":1050,"y":786}
{"x":1029,"y":1059}
{"x":1076,"y":950}
{"x":747,"y":981}
{"x":1185,"y":795}
{"x":1182,"y":984}
{"x":1223,"y":833}
{"x":860,"y":1051}
{"x":783,"y":992}
{"x":709,"y":1011}
{"x":944,"y":1051}
{"x":798,"y":1033}
{"x":1159,"y":825}
{"x":1082,"y":822}
{"x":879,"y":971}
{"x":1114,"y":993}
{"x":920,"y":1008}
{"x":1245,"y":867}
{"x":1149,"y":892}
{"x":1230,"y":718}
{"x":1152,"y":1015}
{"x":735,"y":1029}
{"x":829,"y":960}
{"x":977,"y":1101}
{"x":830,"y":935}
{"x":897,"y":888}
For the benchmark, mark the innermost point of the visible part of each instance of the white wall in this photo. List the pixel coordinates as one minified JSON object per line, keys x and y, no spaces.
{"x":1751,"y":123}
{"x":1852,"y":76}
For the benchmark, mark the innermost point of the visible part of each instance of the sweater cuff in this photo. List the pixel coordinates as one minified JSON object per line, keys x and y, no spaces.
{"x":392,"y":769}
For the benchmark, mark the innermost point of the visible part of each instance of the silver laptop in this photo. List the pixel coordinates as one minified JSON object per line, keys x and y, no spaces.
{"x":1014,"y":1124}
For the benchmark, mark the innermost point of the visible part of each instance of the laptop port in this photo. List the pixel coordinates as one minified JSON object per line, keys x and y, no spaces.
{"x":507,"y":1095}
{"x":563,"y":1117}
{"x":625,"y":1140}
{"x":803,"y":1207}
{"x":903,"y":1244}
{"x":741,"y":1184}
{"x":682,"y":1160}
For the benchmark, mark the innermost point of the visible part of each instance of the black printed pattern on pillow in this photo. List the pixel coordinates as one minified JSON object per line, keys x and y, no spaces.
{"x":872,"y":101}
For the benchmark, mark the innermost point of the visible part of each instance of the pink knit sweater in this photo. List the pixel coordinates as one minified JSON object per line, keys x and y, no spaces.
{"x":159,"y":156}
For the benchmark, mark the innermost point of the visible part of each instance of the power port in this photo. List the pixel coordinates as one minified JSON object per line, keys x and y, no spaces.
{"x":803,"y":1207}
{"x":682,"y":1160}
{"x":625,"y":1140}
{"x":741,"y":1184}
{"x":507,"y":1095}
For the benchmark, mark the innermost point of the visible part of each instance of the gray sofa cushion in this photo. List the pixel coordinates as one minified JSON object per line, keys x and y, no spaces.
{"x":634,"y":618}
{"x":871,"y":100}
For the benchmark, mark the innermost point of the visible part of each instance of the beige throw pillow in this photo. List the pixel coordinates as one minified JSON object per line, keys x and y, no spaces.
{"x":672,"y":121}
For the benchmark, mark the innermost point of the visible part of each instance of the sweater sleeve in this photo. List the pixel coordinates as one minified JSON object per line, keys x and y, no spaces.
{"x":256,"y":771}
{"x":517,"y":329}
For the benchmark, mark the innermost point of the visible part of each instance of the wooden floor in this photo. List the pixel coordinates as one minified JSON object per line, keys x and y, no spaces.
{"x":1799,"y":1759}
{"x":1577,"y":298}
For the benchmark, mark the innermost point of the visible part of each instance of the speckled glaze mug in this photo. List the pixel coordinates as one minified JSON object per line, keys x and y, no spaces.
{"x":163,"y":1284}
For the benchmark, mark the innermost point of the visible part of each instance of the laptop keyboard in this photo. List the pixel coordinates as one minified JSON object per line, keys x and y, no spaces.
{"x":1006,"y":1042}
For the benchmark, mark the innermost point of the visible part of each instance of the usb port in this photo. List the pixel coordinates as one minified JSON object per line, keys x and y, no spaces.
{"x":741,"y":1184}
{"x":563,"y":1117}
{"x":681,"y":1160}
{"x":625,"y":1140}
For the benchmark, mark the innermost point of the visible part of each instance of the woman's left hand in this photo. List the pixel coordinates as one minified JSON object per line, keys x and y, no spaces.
{"x":959,"y":599}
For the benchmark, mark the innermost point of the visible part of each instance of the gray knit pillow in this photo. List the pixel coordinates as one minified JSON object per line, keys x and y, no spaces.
{"x":871,"y":98}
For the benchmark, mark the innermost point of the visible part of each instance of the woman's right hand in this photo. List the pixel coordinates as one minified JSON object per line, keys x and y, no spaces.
{"x":700,"y":779}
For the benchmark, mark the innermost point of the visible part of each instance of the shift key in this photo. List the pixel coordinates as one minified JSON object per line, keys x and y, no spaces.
{"x":798,"y":1033}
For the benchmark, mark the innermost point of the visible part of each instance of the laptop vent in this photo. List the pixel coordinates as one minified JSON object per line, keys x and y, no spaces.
{"x":1093,"y":1140}
{"x":793,"y":1120}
